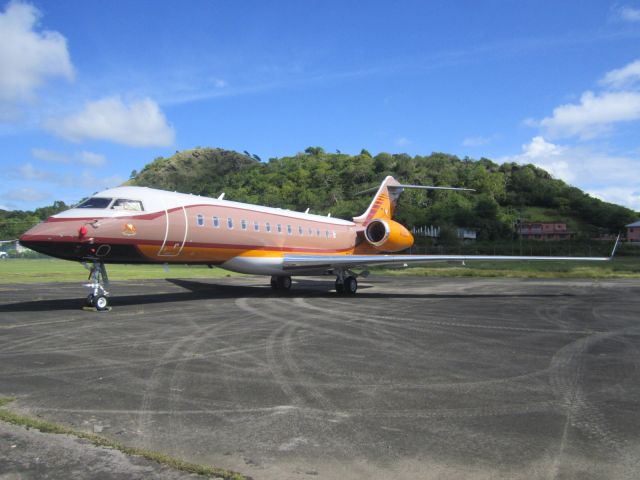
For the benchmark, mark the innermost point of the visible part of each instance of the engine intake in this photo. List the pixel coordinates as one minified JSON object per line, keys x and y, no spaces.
{"x":388,"y":236}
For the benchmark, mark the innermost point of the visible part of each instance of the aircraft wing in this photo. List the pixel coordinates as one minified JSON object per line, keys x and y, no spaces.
{"x":303,"y":262}
{"x":307,"y":262}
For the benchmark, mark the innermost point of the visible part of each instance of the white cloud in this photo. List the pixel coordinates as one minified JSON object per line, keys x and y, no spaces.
{"x":139,"y":124}
{"x":90,"y":182}
{"x":402,"y":141}
{"x":85,"y":179}
{"x":623,"y":77}
{"x":83,"y":158}
{"x":627,"y":196}
{"x":595,"y":114}
{"x":28,"y":57}
{"x":629,"y":14}
{"x":50,"y":156}
{"x":596,"y":172}
{"x":219,"y":83}
{"x":29,"y":172}
{"x":25,"y":195}
{"x":91,"y":159}
{"x":478,"y":141}
{"x":546,"y":155}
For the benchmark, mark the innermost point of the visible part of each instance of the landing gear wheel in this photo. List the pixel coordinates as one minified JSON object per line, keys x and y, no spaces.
{"x":281,"y":283}
{"x":98,"y":298}
{"x":339,"y":287}
{"x":284,"y":283}
{"x":350,"y":285}
{"x":101,"y":303}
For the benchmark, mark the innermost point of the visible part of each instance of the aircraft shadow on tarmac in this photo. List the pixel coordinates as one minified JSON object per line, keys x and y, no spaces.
{"x":204,"y":290}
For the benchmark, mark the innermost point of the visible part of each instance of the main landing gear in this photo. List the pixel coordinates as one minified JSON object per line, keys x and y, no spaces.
{"x":99,"y":297}
{"x":281,"y":283}
{"x":346,"y":282}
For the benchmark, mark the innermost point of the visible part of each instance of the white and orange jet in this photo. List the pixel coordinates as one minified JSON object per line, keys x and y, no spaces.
{"x":145,"y":225}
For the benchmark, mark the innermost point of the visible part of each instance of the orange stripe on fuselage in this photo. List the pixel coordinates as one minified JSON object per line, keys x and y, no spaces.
{"x":217,"y":255}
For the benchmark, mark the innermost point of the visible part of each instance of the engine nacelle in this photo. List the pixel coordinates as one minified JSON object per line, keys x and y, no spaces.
{"x":388,"y":236}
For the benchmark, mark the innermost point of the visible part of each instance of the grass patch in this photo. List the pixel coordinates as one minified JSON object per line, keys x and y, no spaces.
{"x":175,"y":463}
{"x":622,"y":267}
{"x":53,"y":270}
{"x":19,"y":270}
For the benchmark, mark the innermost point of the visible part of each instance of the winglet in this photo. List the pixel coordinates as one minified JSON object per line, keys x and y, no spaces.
{"x":615,"y":247}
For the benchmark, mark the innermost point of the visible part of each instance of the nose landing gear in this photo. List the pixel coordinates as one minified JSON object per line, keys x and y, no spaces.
{"x":99,"y":296}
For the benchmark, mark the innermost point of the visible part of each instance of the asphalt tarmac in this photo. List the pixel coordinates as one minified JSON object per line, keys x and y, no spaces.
{"x":412,"y":378}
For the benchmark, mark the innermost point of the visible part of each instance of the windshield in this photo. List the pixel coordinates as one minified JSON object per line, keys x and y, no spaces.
{"x":131,"y":205}
{"x":95,"y":202}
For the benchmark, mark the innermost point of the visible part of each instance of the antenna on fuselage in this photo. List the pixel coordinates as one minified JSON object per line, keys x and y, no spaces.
{"x":221,"y":196}
{"x":307,"y":210}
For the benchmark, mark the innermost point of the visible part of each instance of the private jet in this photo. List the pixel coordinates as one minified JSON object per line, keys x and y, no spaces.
{"x":144,"y":225}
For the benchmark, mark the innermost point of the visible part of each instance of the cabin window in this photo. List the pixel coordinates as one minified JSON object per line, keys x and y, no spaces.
{"x":334,"y":234}
{"x":128,"y":205}
{"x":317,"y":232}
{"x":243,"y":224}
{"x":230,"y":223}
{"x":326,"y":233}
{"x":267,"y":227}
{"x":300,"y":230}
{"x":200,"y":220}
{"x":95,"y":202}
{"x":289,"y":230}
{"x":279,"y":228}
{"x":216,"y":222}
{"x":256,"y":226}
{"x":310,"y":231}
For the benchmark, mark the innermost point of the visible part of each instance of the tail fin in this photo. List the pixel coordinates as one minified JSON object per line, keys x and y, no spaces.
{"x":384,"y":202}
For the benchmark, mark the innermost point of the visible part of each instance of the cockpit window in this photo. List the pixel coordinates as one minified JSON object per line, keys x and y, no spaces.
{"x":130,"y":205}
{"x":95,"y":202}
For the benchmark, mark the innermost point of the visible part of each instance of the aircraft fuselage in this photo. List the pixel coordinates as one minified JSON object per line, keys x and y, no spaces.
{"x":144,"y":225}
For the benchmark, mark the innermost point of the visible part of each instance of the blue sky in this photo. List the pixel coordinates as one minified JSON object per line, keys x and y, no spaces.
{"x":90,"y":91}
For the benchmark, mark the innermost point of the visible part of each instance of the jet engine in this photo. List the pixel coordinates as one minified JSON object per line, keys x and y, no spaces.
{"x":388,"y":236}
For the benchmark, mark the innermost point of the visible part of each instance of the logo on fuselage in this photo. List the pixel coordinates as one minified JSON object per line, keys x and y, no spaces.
{"x":129,"y":230}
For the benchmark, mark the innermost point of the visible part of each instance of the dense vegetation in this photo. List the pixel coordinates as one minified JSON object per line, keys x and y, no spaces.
{"x":329,"y":182}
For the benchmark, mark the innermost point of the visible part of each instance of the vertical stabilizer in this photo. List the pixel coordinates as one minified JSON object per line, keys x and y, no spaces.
{"x":386,"y":198}
{"x":384,"y":202}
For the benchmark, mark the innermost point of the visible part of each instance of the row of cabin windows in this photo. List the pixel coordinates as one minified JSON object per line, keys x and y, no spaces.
{"x":244,"y":225}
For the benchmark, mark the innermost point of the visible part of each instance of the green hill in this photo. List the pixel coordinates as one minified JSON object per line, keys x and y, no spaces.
{"x":329,"y":182}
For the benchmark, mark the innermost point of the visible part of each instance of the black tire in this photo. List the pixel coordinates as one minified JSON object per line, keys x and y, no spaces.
{"x":350,"y":285}
{"x":274,"y":283}
{"x":89,"y":300}
{"x":339,"y":287}
{"x":101,"y":303}
{"x":284,"y":283}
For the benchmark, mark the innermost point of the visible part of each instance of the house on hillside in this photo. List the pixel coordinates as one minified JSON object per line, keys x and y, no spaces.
{"x":633,"y":232}
{"x":467,"y":234}
{"x":464,"y":234}
{"x":545,"y":231}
